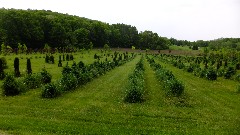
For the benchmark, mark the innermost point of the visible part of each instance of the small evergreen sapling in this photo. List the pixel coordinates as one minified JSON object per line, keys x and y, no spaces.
{"x":29,"y":67}
{"x":16,"y":67}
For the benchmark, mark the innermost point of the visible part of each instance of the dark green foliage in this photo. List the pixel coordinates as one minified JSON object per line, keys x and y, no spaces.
{"x":68,"y":82}
{"x":195,"y":47}
{"x":16,"y":67}
{"x":50,"y":91}
{"x":63,"y":57}
{"x":175,"y":87}
{"x":67,"y":57}
{"x":229,"y":73}
{"x":238,"y":78}
{"x":135,"y":92}
{"x":211,"y":74}
{"x":71,"y":57}
{"x":2,"y":74}
{"x":4,"y":63}
{"x":190,"y":68}
{"x":66,"y":70}
{"x":51,"y":59}
{"x":60,"y":63}
{"x":10,"y":86}
{"x":80,"y":64}
{"x":238,"y":66}
{"x":29,"y":67}
{"x":46,"y":77}
{"x":33,"y":81}
{"x":47,"y":59}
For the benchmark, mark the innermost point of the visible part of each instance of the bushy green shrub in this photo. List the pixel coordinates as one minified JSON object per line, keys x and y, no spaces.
{"x":50,"y":91}
{"x":4,"y":62}
{"x":45,"y":76}
{"x":66,"y":70}
{"x":2,"y":74}
{"x":211,"y":74}
{"x":229,"y":73}
{"x":33,"y":81}
{"x":175,"y":87}
{"x":10,"y":86}
{"x":68,"y":82}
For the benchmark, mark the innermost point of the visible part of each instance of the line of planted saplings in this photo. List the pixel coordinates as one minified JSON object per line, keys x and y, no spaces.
{"x":210,"y":67}
{"x":135,"y":89}
{"x":79,"y":74}
{"x":170,"y":83}
{"x":15,"y":84}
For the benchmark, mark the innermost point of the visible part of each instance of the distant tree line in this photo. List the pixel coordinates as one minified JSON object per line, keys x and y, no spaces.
{"x":38,"y":28}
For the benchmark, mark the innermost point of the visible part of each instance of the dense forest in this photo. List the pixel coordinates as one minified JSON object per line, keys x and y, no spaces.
{"x":38,"y":28}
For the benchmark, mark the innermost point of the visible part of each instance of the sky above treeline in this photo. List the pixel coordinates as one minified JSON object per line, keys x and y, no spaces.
{"x":181,"y":19}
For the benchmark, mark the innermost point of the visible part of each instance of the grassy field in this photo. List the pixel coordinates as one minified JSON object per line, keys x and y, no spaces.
{"x":207,"y":107}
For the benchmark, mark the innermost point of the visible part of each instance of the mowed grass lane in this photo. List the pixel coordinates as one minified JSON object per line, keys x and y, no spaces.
{"x":215,"y":105}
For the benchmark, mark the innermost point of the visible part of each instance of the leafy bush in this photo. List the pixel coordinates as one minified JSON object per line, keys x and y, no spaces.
{"x":66,"y":70}
{"x":2,"y":74}
{"x":50,"y":91}
{"x":229,"y":73}
{"x":211,"y":74}
{"x":175,"y":87}
{"x":68,"y":82}
{"x":33,"y":81}
{"x":4,"y":62}
{"x":45,"y":76}
{"x":10,"y":86}
{"x":190,"y":69}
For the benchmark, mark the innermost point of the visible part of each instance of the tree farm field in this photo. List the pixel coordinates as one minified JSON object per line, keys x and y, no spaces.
{"x":99,"y":106}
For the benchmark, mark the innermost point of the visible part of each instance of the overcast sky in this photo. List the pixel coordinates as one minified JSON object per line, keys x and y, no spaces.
{"x":181,"y":19}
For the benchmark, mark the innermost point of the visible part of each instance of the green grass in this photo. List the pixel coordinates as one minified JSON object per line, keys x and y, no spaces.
{"x":97,"y":108}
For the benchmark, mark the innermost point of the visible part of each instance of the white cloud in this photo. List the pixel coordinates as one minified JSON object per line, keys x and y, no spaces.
{"x":182,"y":19}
